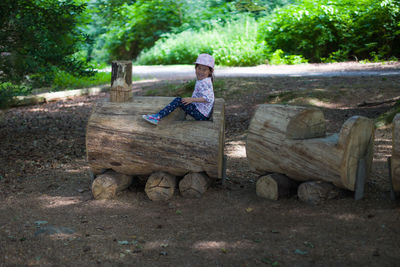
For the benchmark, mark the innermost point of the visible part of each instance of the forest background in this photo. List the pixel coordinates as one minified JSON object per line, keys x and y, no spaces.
{"x":59,"y":44}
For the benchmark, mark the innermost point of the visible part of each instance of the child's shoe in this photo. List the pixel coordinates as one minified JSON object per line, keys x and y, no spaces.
{"x":152,"y":118}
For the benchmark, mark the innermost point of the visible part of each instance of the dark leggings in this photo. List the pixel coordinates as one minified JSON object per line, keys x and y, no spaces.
{"x":189,"y":109}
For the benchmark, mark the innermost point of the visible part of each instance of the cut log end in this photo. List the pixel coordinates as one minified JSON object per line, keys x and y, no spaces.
{"x":160,"y":186}
{"x":316,"y":192}
{"x":310,"y":123}
{"x":109,"y":184}
{"x":194,"y":185}
{"x":357,"y":140}
{"x":275,"y":186}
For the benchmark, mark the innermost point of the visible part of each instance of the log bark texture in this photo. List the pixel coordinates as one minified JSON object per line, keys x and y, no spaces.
{"x":275,"y":186}
{"x":160,"y":186}
{"x":118,"y":138}
{"x":395,"y":161}
{"x":109,"y":184}
{"x":291,"y":140}
{"x":194,"y":185}
{"x":316,"y":192}
{"x":121,"y":81}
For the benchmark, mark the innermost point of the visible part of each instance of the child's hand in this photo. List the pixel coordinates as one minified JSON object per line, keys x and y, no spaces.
{"x":187,"y":100}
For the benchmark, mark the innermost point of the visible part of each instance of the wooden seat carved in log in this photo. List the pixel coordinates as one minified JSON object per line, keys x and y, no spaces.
{"x":118,"y":138}
{"x":291,"y":140}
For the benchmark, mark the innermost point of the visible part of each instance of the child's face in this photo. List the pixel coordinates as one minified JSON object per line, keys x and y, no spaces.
{"x":202,"y":72}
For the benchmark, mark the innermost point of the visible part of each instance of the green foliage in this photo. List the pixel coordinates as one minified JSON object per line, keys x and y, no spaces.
{"x":279,"y":57}
{"x":376,"y":32}
{"x":64,"y":80}
{"x":123,"y":28}
{"x":8,"y":91}
{"x":138,"y":26}
{"x":328,"y":31}
{"x":233,"y":44}
{"x":39,"y":37}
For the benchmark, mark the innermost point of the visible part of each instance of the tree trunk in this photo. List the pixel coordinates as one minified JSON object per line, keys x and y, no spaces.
{"x":118,"y":138}
{"x":275,"y":186}
{"x":109,"y":184}
{"x":291,"y":140}
{"x":194,"y":185}
{"x":395,"y":161}
{"x":121,"y":81}
{"x":160,"y":186}
{"x":316,"y":192}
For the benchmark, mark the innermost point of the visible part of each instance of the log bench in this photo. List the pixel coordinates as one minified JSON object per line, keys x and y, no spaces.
{"x":292,"y":140}
{"x":118,"y":139}
{"x":395,"y":158}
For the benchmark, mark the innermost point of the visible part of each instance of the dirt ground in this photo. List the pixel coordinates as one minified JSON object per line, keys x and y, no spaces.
{"x":48,"y":216}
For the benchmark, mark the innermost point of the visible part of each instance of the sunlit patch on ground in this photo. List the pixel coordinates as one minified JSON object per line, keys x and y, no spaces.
{"x":222,"y":245}
{"x":236,"y":149}
{"x":347,"y":217}
{"x":55,"y":202}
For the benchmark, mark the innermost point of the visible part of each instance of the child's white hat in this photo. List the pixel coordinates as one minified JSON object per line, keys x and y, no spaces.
{"x":205,"y":59}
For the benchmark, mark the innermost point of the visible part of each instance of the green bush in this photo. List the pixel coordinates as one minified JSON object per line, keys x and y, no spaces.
{"x":64,"y":80}
{"x":376,"y":33}
{"x":8,"y":91}
{"x":233,"y":44}
{"x":279,"y":57}
{"x":324,"y":30}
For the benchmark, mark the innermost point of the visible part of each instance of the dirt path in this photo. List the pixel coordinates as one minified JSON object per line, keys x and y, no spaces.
{"x":48,"y":216}
{"x":263,"y":71}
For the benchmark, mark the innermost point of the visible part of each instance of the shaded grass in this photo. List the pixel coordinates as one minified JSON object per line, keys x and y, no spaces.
{"x":387,"y":117}
{"x":65,"y":80}
{"x":305,"y":97}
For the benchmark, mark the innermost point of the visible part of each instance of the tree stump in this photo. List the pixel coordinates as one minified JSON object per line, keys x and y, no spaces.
{"x":316,"y":192}
{"x":121,"y":81}
{"x":109,"y":184}
{"x":194,"y":185}
{"x":291,"y":140}
{"x":395,"y":160}
{"x":118,"y":138}
{"x":160,"y":186}
{"x":275,"y":186}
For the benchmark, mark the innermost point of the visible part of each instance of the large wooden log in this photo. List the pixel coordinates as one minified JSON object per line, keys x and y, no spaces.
{"x":395,"y":160}
{"x":109,"y":184}
{"x":275,"y":186}
{"x":121,"y":81}
{"x":291,"y":140}
{"x":118,"y":138}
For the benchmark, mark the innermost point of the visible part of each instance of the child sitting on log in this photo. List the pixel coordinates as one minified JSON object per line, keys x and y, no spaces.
{"x":200,"y":105}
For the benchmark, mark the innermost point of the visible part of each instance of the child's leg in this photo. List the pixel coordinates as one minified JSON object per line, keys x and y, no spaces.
{"x":194,"y":112}
{"x":177,"y":102}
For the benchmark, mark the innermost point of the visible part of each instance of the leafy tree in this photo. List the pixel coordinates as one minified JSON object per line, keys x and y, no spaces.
{"x":334,"y":30}
{"x":138,"y":25}
{"x":38,"y":37}
{"x":376,"y":31}
{"x":123,"y":28}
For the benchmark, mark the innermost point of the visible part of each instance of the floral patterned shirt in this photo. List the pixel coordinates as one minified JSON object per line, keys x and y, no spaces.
{"x":204,"y":89}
